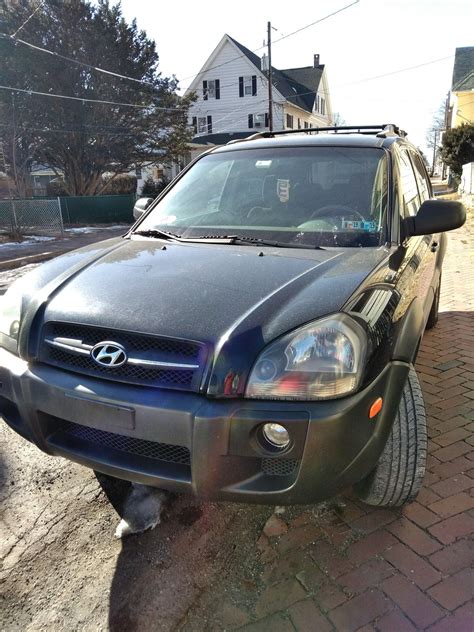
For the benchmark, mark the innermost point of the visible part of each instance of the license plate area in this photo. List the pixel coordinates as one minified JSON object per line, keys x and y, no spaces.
{"x":96,"y":414}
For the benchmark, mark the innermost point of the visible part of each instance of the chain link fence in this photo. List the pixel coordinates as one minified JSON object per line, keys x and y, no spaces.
{"x":21,"y":217}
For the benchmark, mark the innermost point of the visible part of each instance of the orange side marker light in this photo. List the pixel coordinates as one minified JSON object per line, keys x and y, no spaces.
{"x":375,"y":408}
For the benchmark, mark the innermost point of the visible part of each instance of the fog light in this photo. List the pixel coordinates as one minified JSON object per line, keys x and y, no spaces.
{"x":276,"y":435}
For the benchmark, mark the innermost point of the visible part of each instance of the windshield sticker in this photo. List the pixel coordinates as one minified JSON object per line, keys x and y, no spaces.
{"x":263,"y":164}
{"x":359,"y":225}
{"x":283,"y":190}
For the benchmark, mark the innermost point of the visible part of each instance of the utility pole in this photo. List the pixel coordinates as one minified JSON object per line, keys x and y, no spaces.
{"x":15,"y":174}
{"x":446,"y":127}
{"x":270,"y":86}
{"x":435,"y":143}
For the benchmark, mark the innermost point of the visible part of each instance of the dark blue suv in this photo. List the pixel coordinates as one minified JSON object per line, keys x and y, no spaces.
{"x":252,"y":337}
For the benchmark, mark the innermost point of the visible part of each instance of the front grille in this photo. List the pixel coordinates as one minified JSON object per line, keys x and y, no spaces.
{"x":150,"y":347}
{"x":141,"y":447}
{"x":279,"y":467}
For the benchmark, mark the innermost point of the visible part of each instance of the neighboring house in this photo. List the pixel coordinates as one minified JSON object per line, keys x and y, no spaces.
{"x":41,"y":176}
{"x":157,"y":172}
{"x":462,"y":87}
{"x":232,"y":89}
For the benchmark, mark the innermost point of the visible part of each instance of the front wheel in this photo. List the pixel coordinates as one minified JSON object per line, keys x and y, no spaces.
{"x":398,"y":475}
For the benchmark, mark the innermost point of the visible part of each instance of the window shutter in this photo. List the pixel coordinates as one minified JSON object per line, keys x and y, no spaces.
{"x":254,"y":85}
{"x":195,"y":124}
{"x":266,"y":119}
{"x":250,"y":120}
{"x":209,"y":124}
{"x":204,"y":90}
{"x":241,"y":86}
{"x":218,"y":89}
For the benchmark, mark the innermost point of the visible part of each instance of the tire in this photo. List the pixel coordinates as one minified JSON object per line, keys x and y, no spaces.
{"x":398,"y":475}
{"x":433,"y":317}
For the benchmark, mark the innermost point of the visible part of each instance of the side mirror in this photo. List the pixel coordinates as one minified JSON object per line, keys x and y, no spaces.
{"x":435,"y":216}
{"x":141,"y":206}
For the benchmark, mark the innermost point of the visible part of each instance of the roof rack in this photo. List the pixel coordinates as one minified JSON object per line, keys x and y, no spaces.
{"x":382,"y":131}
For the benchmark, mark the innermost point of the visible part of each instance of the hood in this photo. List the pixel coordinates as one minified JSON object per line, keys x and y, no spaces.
{"x":231,"y":297}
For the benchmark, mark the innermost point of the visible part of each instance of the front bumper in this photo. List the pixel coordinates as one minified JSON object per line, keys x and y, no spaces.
{"x":189,"y":443}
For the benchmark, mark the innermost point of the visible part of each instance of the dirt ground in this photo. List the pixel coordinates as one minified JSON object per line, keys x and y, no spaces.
{"x":63,"y":569}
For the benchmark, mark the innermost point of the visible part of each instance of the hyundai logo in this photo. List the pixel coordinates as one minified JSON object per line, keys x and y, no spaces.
{"x":109,"y":354}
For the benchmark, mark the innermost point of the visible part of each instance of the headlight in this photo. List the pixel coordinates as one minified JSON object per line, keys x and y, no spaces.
{"x":10,"y":311}
{"x":322,"y":360}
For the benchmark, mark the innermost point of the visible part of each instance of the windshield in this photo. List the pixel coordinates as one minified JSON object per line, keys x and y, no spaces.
{"x":314,"y":196}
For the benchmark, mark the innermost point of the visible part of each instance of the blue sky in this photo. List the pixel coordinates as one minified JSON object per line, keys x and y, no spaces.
{"x":371,"y":38}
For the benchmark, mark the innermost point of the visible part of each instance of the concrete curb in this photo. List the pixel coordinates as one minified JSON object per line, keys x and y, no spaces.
{"x":21,"y":261}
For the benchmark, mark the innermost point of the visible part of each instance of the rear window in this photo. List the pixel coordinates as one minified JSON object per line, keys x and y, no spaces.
{"x":312,"y":195}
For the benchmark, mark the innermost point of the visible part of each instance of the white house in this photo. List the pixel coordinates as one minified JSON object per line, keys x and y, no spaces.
{"x":232,"y":89}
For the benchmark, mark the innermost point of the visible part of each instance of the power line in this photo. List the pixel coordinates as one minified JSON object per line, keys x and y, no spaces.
{"x":86,"y":100}
{"x":28,"y":19}
{"x":71,"y":131}
{"x":326,"y":17}
{"x":395,"y":72}
{"x":303,"y":28}
{"x":74,"y":61}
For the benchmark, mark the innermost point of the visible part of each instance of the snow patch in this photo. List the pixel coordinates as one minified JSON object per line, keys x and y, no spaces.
{"x":31,"y":239}
{"x":84,"y":230}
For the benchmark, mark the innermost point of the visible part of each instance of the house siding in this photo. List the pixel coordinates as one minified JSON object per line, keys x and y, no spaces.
{"x":462,"y":104}
{"x":231,"y":112}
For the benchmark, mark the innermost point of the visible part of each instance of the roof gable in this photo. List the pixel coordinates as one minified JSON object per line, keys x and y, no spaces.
{"x":255,"y":59}
{"x":297,"y":85}
{"x":212,"y":61}
{"x":463,"y":71}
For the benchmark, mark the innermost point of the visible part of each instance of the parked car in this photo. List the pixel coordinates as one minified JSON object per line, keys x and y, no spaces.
{"x":252,"y":337}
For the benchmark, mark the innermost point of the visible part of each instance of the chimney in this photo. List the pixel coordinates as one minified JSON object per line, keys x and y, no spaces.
{"x":316,"y":60}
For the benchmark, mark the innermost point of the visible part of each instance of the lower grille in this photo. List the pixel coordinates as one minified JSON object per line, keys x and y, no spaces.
{"x":279,"y":467}
{"x":142,"y":447}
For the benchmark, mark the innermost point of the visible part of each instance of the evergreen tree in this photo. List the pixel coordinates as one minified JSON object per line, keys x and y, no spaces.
{"x":81,"y":139}
{"x":458,"y":147}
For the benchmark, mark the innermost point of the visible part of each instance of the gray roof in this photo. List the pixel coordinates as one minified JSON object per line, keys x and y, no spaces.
{"x":297,"y":85}
{"x":463,"y":71}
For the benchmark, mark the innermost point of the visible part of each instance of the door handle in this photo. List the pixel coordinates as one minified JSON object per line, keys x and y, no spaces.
{"x":434,"y":246}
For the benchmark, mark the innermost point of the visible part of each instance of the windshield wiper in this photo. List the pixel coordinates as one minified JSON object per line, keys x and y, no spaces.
{"x":157,"y":234}
{"x":236,"y":239}
{"x":224,"y":239}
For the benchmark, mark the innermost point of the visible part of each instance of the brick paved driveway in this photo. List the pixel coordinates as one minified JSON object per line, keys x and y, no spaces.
{"x":344,"y":566}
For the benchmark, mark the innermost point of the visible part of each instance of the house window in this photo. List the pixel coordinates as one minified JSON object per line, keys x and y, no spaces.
{"x":317,"y":103}
{"x":248,"y":86}
{"x":323,"y":106}
{"x":289,"y":121}
{"x":258,"y":120}
{"x":299,"y":123}
{"x":306,"y":124}
{"x":211,"y":89}
{"x":138,"y":173}
{"x":202,"y":125}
